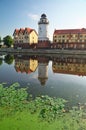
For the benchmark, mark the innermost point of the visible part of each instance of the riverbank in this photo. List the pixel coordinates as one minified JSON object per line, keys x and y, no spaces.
{"x":43,"y":51}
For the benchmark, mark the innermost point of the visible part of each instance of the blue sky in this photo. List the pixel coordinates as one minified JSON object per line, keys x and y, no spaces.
{"x":62,"y":14}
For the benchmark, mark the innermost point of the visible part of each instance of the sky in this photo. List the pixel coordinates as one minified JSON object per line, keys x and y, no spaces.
{"x":62,"y":14}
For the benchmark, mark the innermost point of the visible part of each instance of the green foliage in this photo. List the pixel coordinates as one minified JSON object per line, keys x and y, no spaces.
{"x":78,"y":115}
{"x":17,"y":107}
{"x":8,"y":41}
{"x":0,"y":40}
{"x":49,"y":108}
{"x":1,"y":62}
{"x":13,"y":97}
{"x":9,"y":59}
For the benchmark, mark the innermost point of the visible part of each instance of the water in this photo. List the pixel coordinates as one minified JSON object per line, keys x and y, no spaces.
{"x":56,"y":75}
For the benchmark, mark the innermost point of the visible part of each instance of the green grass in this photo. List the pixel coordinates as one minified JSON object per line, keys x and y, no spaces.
{"x":26,"y":121}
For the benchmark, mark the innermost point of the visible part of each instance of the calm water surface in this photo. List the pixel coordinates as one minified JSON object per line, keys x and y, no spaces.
{"x":56,"y":76}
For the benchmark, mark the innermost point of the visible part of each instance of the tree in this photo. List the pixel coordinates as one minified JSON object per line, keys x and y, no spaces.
{"x":8,"y":41}
{"x":1,"y":61}
{"x":9,"y":59}
{"x":0,"y":40}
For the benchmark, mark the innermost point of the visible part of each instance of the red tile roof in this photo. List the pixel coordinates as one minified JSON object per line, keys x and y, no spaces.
{"x":21,"y":30}
{"x":29,"y":30}
{"x":16,"y":30}
{"x":68,"y":31}
{"x":22,"y":70}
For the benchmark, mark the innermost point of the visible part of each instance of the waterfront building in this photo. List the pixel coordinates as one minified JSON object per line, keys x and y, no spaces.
{"x":70,"y":38}
{"x":23,"y":38}
{"x":62,"y":39}
{"x":43,"y":38}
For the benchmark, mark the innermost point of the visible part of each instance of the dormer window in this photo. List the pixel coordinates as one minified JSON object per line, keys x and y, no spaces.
{"x":26,"y":32}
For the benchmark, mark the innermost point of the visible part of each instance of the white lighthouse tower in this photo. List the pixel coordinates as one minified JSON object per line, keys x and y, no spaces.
{"x":43,"y":69}
{"x":43,"y":73}
{"x":43,"y":28}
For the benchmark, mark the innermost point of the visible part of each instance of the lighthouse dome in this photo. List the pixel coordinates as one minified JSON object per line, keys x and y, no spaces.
{"x":43,"y":19}
{"x":43,"y":16}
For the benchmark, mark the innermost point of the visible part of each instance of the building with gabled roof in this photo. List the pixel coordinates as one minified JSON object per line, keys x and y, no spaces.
{"x":24,"y":37}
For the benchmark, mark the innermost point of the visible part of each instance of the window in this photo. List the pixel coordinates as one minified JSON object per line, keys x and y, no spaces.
{"x":67,"y":41}
{"x":80,"y":35}
{"x":63,"y":36}
{"x":63,"y":40}
{"x":80,"y":40}
{"x":26,"y":37}
{"x":55,"y":36}
{"x":54,"y":40}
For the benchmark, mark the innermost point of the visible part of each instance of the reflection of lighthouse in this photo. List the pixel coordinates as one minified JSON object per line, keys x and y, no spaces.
{"x":42,"y":70}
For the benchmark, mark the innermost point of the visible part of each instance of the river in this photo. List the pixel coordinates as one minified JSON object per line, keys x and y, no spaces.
{"x":54,"y":75}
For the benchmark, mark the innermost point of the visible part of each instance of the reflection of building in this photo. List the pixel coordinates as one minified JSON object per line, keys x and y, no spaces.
{"x":24,"y":37}
{"x":26,"y":65}
{"x":43,"y":70}
{"x":69,"y":66}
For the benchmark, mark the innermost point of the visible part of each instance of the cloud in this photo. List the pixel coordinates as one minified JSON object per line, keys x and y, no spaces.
{"x":33,"y":16}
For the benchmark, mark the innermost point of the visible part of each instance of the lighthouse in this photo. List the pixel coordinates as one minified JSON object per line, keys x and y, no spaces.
{"x":43,"y":69}
{"x":43,"y":28}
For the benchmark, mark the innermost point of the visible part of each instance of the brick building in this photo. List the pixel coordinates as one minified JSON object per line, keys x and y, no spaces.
{"x":70,"y":38}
